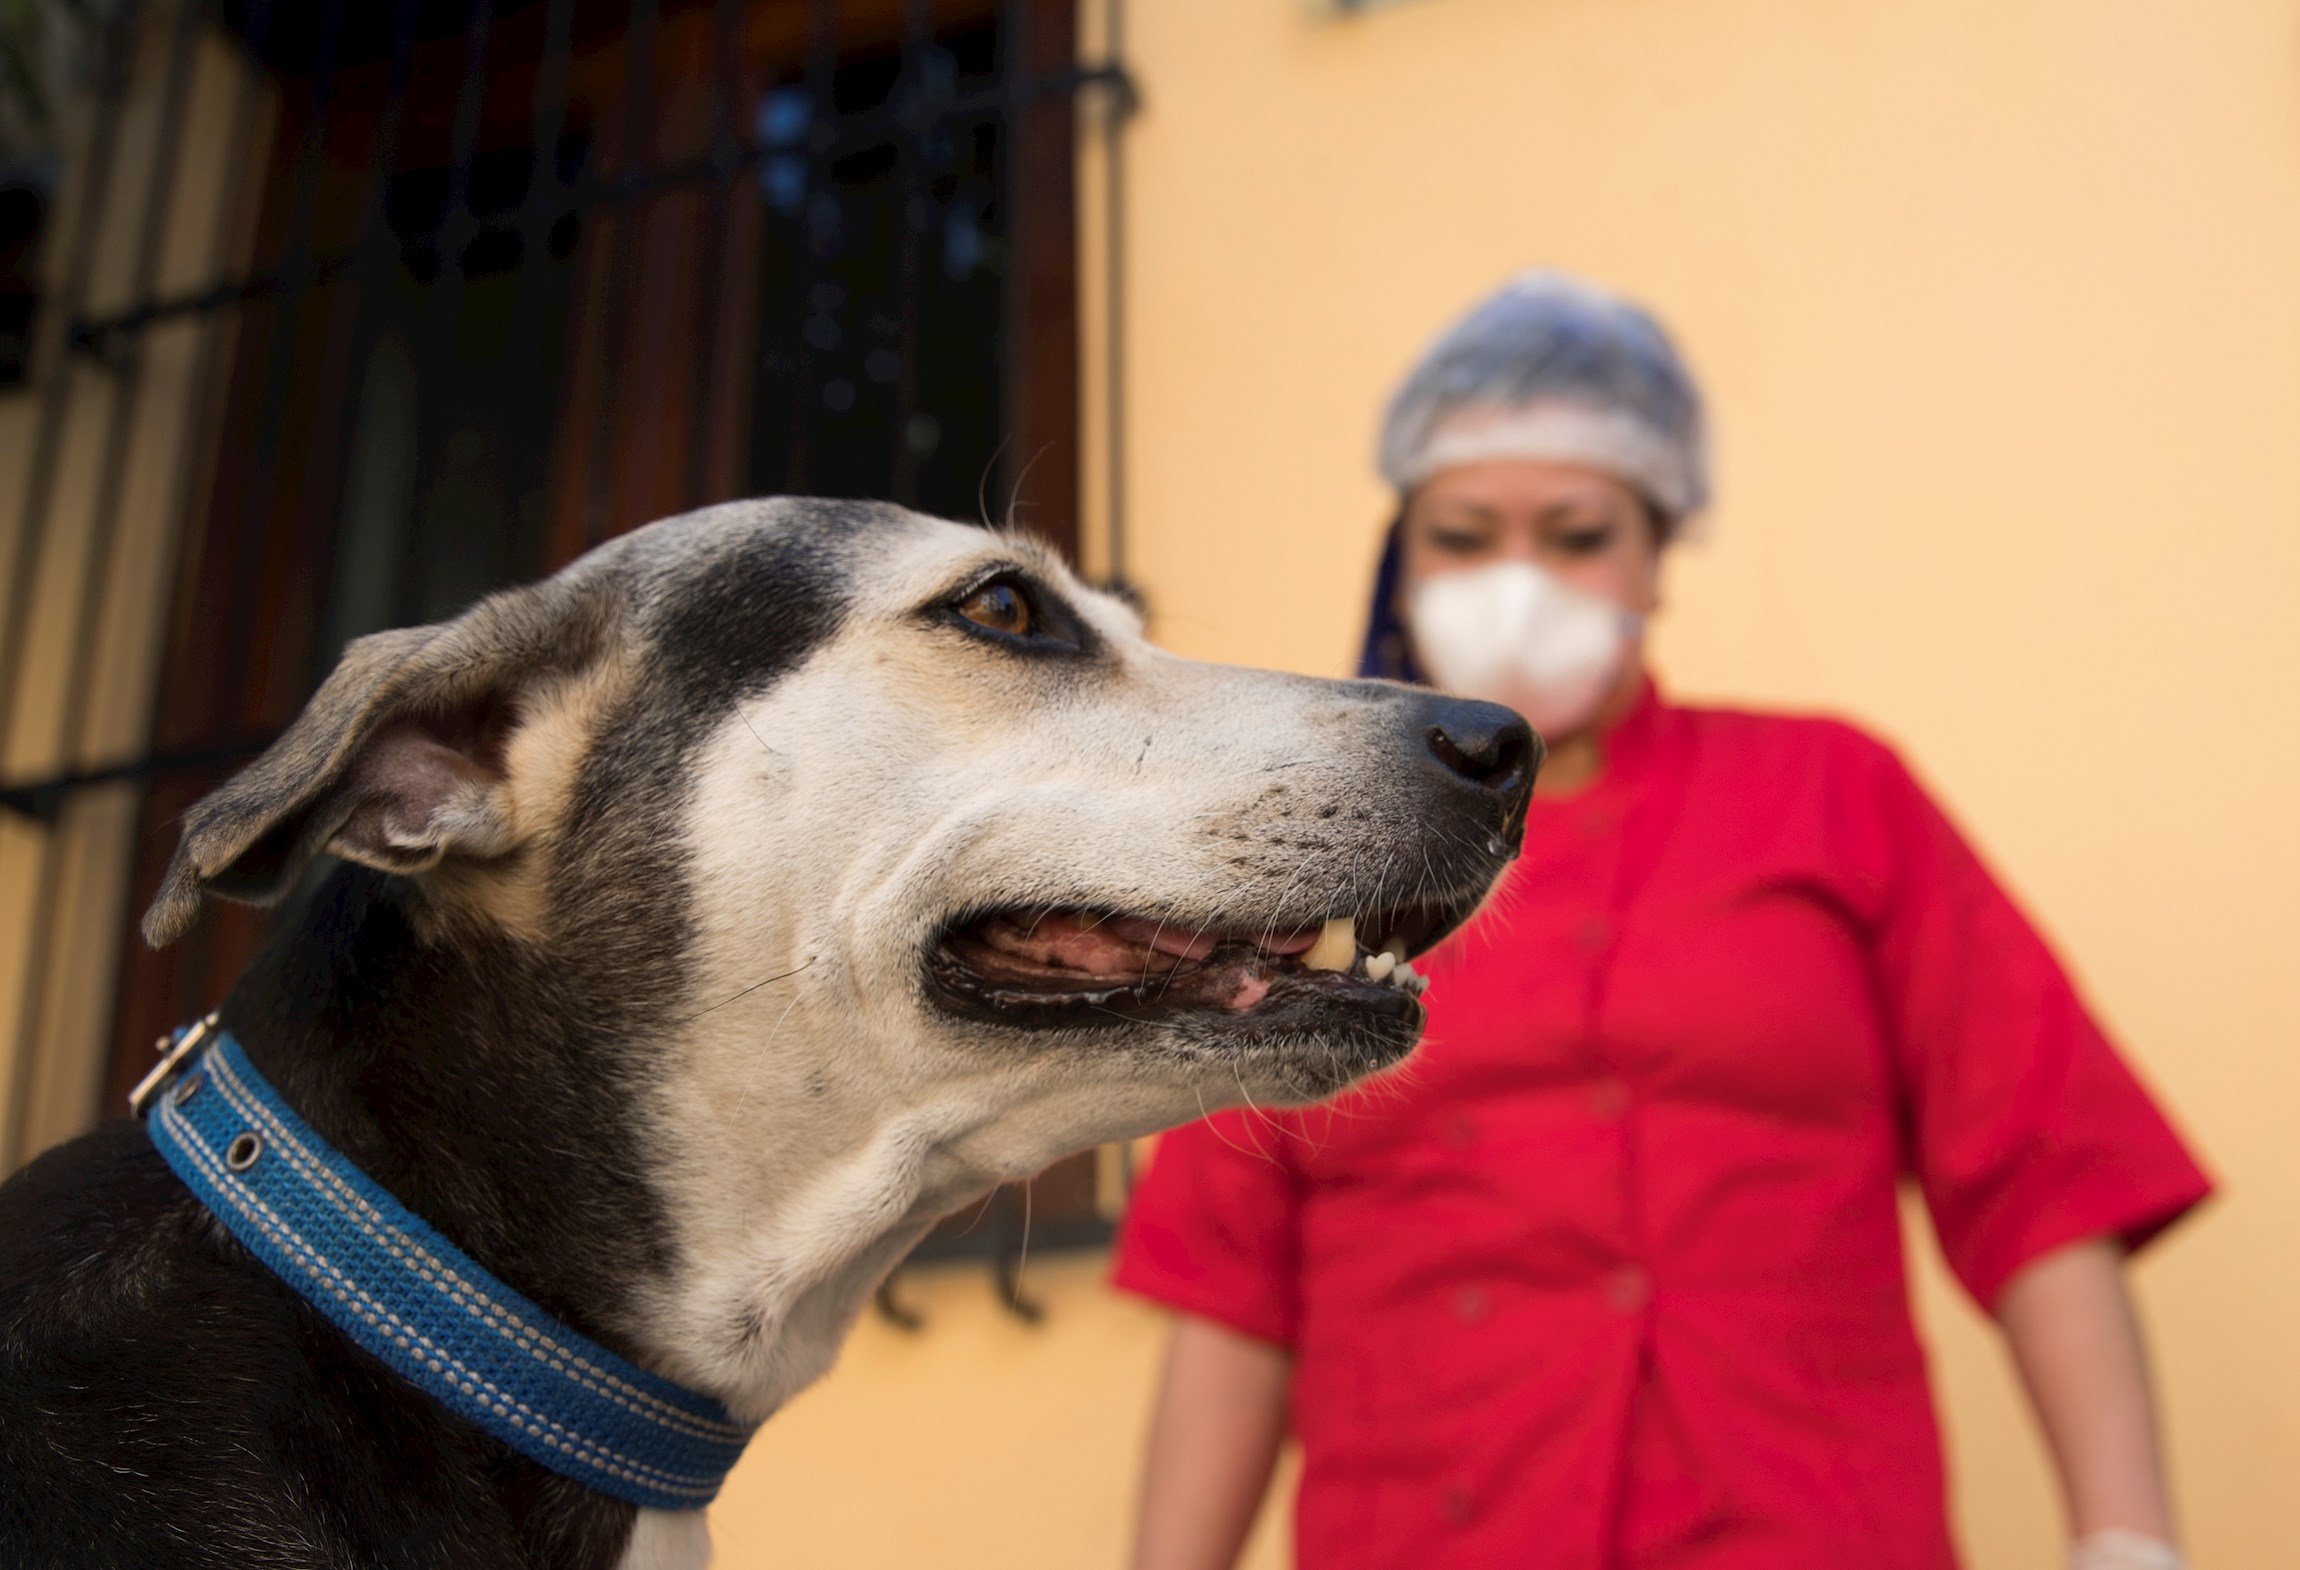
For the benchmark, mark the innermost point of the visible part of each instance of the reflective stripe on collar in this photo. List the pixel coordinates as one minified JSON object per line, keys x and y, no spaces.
{"x":388,"y":1280}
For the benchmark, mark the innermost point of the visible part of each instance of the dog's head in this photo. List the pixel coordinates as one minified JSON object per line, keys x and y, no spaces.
{"x":827,"y":806}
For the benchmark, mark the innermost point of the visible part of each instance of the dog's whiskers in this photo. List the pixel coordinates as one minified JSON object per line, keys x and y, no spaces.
{"x":1257,"y":1152}
{"x":982,"y":485}
{"x":746,"y":992}
{"x":1014,"y":498}
{"x":764,"y":1055}
{"x":1022,"y":1254}
{"x":754,"y":730}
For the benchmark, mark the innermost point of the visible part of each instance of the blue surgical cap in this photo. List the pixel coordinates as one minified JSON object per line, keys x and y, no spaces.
{"x":1552,"y":367}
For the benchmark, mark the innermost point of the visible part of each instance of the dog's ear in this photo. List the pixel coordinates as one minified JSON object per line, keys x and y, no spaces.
{"x":398,"y":761}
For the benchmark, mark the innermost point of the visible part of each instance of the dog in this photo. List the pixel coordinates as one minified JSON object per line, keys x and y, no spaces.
{"x":681,"y":936}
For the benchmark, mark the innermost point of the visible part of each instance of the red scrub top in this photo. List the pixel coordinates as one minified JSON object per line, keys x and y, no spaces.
{"x":1610,"y":1273}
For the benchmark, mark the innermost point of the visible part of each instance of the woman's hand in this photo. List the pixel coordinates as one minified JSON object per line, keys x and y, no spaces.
{"x":2078,"y":1344}
{"x":1214,"y":1437}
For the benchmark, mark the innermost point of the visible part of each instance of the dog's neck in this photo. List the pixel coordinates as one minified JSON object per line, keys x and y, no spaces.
{"x":527,"y":1110}
{"x":465,"y":1078}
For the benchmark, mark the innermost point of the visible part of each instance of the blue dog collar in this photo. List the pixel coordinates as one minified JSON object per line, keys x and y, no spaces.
{"x":389,"y":1281}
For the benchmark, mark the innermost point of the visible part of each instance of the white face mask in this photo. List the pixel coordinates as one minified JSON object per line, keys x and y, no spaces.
{"x":1512,"y":633}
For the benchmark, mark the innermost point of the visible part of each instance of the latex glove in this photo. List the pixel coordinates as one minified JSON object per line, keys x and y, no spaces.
{"x":2117,"y":1549}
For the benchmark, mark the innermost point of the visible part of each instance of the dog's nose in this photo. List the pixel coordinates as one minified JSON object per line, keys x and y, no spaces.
{"x":1486,"y":746}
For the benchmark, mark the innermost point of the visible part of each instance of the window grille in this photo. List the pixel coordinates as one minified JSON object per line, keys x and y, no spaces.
{"x":502,"y":278}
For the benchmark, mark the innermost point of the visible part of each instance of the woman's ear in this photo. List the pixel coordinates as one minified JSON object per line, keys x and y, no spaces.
{"x":1659,"y":531}
{"x":1650,"y":598}
{"x":398,"y":761}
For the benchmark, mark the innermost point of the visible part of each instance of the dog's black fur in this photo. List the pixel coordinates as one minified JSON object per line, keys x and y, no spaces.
{"x":165,"y":1401}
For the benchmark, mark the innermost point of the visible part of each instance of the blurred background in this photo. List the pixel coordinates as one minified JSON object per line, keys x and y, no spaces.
{"x":319,"y":317}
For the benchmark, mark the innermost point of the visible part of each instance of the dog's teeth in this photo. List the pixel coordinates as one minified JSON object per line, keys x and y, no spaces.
{"x":1410,"y":979}
{"x":1379,"y":966}
{"x":1336,"y":947}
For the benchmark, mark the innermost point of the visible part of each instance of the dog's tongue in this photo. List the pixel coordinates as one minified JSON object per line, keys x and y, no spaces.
{"x":1116,"y":947}
{"x":1194,"y":943}
{"x":1099,"y":948}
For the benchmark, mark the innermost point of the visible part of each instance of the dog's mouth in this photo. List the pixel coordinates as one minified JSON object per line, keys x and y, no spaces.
{"x":1039,"y":964}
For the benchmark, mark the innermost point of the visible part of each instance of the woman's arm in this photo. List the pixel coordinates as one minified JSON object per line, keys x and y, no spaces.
{"x":2078,"y":1344}
{"x":1214,"y":1437}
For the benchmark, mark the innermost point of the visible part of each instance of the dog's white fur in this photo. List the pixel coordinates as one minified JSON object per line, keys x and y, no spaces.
{"x":894,"y":774}
{"x":668,"y":1540}
{"x":841,"y":816}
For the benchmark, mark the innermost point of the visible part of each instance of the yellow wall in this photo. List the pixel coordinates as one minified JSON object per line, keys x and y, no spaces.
{"x":1999,"y":304}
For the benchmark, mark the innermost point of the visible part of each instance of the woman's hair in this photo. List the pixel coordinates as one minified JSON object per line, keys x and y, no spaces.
{"x":1554,"y":368}
{"x":1387,"y":652}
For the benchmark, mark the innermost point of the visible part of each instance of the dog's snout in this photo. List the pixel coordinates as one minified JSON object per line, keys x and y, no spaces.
{"x":1485,"y":746}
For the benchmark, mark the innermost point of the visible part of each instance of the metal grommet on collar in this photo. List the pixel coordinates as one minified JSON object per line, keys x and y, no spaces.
{"x":174,"y":1051}
{"x":186,"y":1090}
{"x":383,"y":1278}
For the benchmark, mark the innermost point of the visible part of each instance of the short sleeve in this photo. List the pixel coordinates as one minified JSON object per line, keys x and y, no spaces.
{"x":2027,"y":1130}
{"x":1212,"y":1228}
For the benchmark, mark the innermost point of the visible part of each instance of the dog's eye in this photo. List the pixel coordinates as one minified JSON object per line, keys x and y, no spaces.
{"x":1001,"y":606}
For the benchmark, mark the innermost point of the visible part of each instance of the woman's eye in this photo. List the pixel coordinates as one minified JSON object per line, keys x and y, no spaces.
{"x":999,"y":606}
{"x":1585,"y":542}
{"x":1456,"y":542}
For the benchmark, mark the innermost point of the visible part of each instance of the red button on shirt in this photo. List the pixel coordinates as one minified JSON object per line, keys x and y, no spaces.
{"x":1628,"y":1288}
{"x":1817,"y":991}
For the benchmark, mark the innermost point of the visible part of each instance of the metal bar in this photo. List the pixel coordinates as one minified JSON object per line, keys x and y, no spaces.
{"x":822,"y":64}
{"x":231,"y":231}
{"x":892,"y":1309}
{"x":724,"y":154}
{"x":56,"y":398}
{"x":1115,"y":115}
{"x":638,"y":97}
{"x":1014,"y":74}
{"x":273,"y":398}
{"x":103,"y":526}
{"x":918,"y":126}
{"x":537,"y":216}
{"x":374,"y":238}
{"x":984,"y":1244}
{"x":373,"y":257}
{"x":95,"y":334}
{"x":861,"y":132}
{"x":457,"y":225}
{"x":541,"y":207}
{"x":42,"y":800}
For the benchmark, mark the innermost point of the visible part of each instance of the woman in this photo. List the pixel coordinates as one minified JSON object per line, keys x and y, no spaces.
{"x":1611,"y":1274}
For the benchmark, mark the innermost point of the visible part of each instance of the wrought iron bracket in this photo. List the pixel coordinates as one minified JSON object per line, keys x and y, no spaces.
{"x":42,"y":800}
